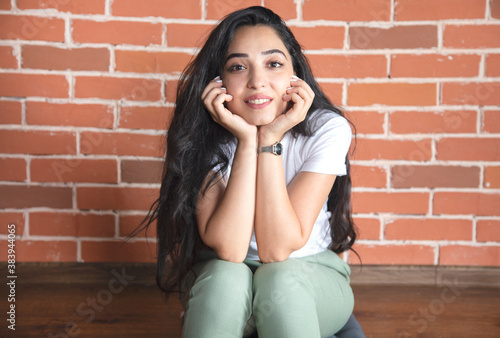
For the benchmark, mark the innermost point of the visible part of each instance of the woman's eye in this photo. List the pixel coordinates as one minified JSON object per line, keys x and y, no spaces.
{"x":236,"y":68}
{"x":275,"y":64}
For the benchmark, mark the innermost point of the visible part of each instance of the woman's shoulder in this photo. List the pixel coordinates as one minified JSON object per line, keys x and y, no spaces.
{"x":326,"y":120}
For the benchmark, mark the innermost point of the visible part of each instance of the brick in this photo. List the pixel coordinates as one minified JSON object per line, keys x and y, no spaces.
{"x":348,"y":66}
{"x":151,"y":62}
{"x":435,"y":122}
{"x":367,"y":122}
{"x":333,"y":91}
{"x":286,"y":9}
{"x":53,"y":58}
{"x":495,"y":9}
{"x":118,"y":251}
{"x":37,"y":142}
{"x":468,"y":149}
{"x":71,"y":6}
{"x":7,"y":57}
{"x":115,"y":198}
{"x":377,"y":149}
{"x":8,"y":218}
{"x":492,"y":65}
{"x":113,"y":32}
{"x":434,"y":176}
{"x":491,"y":121}
{"x":170,"y":91}
{"x":135,"y":89}
{"x":466,"y":203}
{"x":488,"y":231}
{"x":136,"y":171}
{"x":73,"y":170}
{"x":22,"y":196}
{"x":368,"y":176}
{"x":187,"y":35}
{"x":393,"y":254}
{"x":13,"y":169}
{"x":5,"y":4}
{"x":492,"y":177}
{"x":69,"y":114}
{"x":121,"y":144}
{"x":471,"y":36}
{"x":368,"y":228}
{"x":429,"y":229}
{"x":134,"y":117}
{"x":469,"y":255}
{"x":217,"y":9}
{"x":408,"y":10}
{"x":11,"y":112}
{"x":390,"y":202}
{"x":347,"y":10}
{"x":27,"y":27}
{"x":434,"y":65}
{"x":395,"y":37}
{"x":308,"y":37}
{"x":129,"y":223}
{"x":24,"y":85}
{"x":187,"y":9}
{"x":45,"y":251}
{"x":391,"y":94}
{"x":471,"y":93}
{"x":71,"y":224}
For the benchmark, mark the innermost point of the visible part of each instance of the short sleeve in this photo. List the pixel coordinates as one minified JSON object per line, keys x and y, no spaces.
{"x":325,"y":151}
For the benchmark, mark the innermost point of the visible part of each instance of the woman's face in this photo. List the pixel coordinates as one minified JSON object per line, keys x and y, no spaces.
{"x":257,"y":70}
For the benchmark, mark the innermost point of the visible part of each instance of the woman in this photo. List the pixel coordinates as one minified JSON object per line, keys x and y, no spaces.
{"x":255,"y":201}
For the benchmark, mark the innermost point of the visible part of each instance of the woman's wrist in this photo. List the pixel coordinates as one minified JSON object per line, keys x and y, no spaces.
{"x":266,"y":139}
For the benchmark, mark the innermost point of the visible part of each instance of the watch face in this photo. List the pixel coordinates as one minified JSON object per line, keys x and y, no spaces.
{"x":278,"y":149}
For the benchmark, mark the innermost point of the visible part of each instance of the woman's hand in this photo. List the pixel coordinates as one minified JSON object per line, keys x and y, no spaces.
{"x":300,"y":96}
{"x":213,"y":98}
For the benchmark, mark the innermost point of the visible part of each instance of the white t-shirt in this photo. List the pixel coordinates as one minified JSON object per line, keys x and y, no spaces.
{"x":324,"y":152}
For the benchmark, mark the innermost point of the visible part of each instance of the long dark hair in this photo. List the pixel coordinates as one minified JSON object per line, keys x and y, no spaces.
{"x":196,"y":145}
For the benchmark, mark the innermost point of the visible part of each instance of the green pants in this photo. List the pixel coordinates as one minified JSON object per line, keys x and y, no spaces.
{"x":302,"y":297}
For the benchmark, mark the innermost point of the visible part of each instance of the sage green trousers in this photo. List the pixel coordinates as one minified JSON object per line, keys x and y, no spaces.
{"x":300,"y":297}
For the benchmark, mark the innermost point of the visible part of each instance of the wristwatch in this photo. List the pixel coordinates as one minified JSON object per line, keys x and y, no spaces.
{"x":276,"y":149}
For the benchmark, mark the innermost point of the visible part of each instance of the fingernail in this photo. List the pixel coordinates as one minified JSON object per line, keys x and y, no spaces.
{"x":229,"y":95}
{"x":289,"y":88}
{"x":224,"y":88}
{"x":295,"y":77}
{"x":217,"y":77}
{"x":219,"y":80}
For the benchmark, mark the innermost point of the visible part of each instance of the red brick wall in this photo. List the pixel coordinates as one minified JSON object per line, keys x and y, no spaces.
{"x":87,"y":90}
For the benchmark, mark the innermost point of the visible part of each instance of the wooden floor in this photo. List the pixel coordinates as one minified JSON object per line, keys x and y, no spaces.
{"x":122,"y":301}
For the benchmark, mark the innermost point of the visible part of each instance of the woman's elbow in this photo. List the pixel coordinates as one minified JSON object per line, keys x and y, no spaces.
{"x":273,"y":256}
{"x":231,"y":255}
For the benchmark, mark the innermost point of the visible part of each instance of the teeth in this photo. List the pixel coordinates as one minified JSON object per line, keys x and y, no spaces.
{"x":259,"y":101}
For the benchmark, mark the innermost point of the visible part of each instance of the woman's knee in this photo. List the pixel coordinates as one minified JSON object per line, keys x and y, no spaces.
{"x":223,"y":277}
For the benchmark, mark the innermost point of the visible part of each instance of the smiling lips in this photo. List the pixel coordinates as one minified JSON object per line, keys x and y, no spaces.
{"x":258,"y":101}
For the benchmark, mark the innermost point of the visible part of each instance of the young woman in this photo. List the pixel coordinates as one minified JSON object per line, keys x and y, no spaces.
{"x":255,"y":201}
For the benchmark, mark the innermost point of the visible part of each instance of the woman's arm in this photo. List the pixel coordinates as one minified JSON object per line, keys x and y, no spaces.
{"x":225,"y":213}
{"x":285,"y":216}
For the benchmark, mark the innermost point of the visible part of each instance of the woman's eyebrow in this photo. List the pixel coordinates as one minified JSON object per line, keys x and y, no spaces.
{"x":243,"y":55}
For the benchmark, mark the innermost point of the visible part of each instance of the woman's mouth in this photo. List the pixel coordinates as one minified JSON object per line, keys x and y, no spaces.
{"x":258,"y":101}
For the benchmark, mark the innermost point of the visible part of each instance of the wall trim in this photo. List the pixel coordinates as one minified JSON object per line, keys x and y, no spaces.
{"x":144,"y":273}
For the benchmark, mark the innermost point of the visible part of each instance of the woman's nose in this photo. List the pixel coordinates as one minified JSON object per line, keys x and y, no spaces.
{"x":256,"y":79}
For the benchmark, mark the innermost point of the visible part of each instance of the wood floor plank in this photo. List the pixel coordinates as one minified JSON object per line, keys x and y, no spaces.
{"x":119,"y":301}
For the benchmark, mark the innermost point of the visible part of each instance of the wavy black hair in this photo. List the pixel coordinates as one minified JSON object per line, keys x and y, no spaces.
{"x":196,"y":145}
